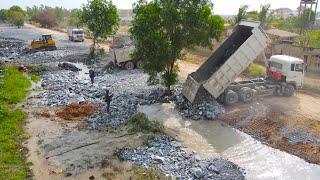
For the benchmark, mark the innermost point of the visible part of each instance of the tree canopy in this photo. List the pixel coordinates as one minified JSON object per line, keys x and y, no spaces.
{"x":242,"y":14}
{"x":101,"y":18}
{"x":3,"y":14}
{"x":16,"y":16}
{"x":163,"y":28}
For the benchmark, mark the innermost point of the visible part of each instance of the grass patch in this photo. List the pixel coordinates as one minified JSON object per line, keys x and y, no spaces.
{"x":15,"y":86}
{"x":140,"y":123}
{"x":12,"y":155}
{"x":144,"y":174}
{"x":35,"y":78}
{"x":254,"y":70}
{"x":312,"y":84}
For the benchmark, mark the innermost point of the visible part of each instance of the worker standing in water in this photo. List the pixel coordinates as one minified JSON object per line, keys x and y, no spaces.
{"x":108,"y":99}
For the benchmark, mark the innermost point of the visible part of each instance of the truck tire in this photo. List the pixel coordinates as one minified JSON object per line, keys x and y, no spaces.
{"x":288,"y":90}
{"x":129,"y":65}
{"x":231,"y":97}
{"x":139,"y":64}
{"x":247,"y":95}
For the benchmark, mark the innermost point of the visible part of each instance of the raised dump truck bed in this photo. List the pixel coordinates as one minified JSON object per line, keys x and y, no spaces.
{"x":246,"y":42}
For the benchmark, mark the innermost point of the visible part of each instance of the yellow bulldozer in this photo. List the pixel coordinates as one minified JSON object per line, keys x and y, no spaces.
{"x":45,"y":43}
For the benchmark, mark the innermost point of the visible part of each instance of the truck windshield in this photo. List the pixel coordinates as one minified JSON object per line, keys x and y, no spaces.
{"x":276,"y":65}
{"x":77,"y":32}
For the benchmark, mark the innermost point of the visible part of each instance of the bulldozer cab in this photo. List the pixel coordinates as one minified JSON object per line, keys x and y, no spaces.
{"x":46,"y":37}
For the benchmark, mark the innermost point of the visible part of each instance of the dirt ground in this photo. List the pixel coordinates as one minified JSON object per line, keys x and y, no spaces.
{"x":60,"y":149}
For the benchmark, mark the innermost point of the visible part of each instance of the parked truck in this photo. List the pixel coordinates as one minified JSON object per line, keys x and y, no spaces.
{"x":121,"y":56}
{"x":76,"y":34}
{"x":218,"y":74}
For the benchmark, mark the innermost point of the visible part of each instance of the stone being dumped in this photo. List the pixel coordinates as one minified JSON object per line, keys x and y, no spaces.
{"x":167,"y":154}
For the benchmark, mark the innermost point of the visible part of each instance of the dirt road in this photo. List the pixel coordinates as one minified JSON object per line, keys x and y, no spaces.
{"x":64,"y":35}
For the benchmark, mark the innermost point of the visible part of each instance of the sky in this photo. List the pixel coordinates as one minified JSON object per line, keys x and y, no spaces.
{"x":221,"y":7}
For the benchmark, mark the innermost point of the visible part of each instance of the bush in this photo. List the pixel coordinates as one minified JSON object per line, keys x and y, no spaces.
{"x":255,"y":70}
{"x":140,"y":123}
{"x":47,"y":19}
{"x":35,"y":78}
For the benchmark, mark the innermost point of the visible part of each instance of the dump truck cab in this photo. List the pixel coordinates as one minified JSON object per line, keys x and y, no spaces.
{"x":76,"y":35}
{"x":45,"y":42}
{"x":286,"y":69}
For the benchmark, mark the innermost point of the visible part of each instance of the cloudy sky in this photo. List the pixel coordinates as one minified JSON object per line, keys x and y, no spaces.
{"x":223,"y":7}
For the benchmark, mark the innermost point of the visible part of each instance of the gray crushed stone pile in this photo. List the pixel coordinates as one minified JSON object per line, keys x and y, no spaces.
{"x":167,"y":155}
{"x":11,"y":48}
{"x":130,"y":90}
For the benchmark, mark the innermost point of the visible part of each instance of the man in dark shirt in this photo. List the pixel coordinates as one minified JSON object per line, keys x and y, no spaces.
{"x":108,"y":99}
{"x":92,"y":75}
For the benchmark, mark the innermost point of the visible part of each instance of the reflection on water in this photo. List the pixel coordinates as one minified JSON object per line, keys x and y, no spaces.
{"x":212,"y":139}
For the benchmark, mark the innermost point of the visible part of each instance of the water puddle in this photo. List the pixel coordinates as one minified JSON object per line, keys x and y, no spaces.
{"x":212,"y":139}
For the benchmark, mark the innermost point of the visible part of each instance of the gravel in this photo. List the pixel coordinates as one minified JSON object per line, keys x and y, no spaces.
{"x":296,"y":136}
{"x":11,"y":48}
{"x":168,"y":155}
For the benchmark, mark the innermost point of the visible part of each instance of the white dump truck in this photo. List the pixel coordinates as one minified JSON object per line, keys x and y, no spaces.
{"x":218,"y":74}
{"x":121,"y":56}
{"x":76,"y":34}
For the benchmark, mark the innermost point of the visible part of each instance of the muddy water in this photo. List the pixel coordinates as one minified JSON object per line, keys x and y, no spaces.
{"x":212,"y":139}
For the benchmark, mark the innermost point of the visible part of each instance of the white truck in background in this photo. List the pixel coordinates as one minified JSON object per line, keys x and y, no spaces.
{"x":76,"y":35}
{"x":217,"y":75}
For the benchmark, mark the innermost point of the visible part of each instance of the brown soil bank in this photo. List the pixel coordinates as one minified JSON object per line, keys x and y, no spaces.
{"x":73,"y":111}
{"x":279,"y":128}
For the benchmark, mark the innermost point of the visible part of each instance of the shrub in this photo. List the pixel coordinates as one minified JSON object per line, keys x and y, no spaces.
{"x":35,"y":78}
{"x":140,"y":123}
{"x":47,"y":19}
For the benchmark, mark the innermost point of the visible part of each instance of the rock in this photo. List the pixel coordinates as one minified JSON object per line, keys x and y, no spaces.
{"x":175,"y":144}
{"x":197,"y":172}
{"x":158,"y":159}
{"x":214,"y":169}
{"x":69,"y":66}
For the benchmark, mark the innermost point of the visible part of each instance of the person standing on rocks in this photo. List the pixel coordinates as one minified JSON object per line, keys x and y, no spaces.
{"x":92,"y":75}
{"x":108,"y":99}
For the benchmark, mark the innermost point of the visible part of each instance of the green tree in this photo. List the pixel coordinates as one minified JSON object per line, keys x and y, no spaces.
{"x":3,"y":15}
{"x":305,"y":19}
{"x":16,"y":16}
{"x":163,"y":28}
{"x":242,"y":14}
{"x":74,"y":19}
{"x":265,"y":16}
{"x":101,"y":18}
{"x":33,"y":13}
{"x":254,"y":15}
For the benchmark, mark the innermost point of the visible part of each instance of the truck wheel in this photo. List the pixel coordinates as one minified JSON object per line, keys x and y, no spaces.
{"x":288,"y":90}
{"x":139,"y":64}
{"x":129,"y":65}
{"x":247,"y":95}
{"x":231,"y":97}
